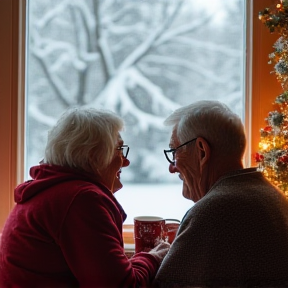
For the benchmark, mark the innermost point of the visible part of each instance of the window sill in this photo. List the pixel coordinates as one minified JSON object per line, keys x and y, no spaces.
{"x":128,"y":238}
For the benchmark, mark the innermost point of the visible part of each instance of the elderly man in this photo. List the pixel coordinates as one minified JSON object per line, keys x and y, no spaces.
{"x":236,"y":234}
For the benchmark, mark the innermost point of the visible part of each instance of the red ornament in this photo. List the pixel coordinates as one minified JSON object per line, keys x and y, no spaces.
{"x":268,"y":129}
{"x":283,"y":159}
{"x":259,"y":157}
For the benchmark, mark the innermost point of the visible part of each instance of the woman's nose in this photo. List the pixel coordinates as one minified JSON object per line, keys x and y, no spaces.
{"x":126,"y":162}
{"x":172,"y":168}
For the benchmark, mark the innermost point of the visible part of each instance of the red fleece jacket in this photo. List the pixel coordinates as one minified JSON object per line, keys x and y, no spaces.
{"x":66,"y":231}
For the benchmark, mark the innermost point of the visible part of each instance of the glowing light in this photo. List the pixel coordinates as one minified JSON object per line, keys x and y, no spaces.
{"x":264,"y":145}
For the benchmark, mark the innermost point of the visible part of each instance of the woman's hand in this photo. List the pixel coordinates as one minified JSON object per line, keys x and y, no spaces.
{"x":160,"y":250}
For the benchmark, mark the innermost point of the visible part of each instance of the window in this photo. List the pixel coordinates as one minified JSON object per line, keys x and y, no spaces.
{"x":260,"y":84}
{"x":141,"y":59}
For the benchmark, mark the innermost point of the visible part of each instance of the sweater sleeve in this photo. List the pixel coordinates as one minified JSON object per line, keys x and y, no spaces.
{"x":92,"y":245}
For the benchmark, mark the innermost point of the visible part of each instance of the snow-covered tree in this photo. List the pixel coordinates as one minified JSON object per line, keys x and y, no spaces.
{"x":141,"y":59}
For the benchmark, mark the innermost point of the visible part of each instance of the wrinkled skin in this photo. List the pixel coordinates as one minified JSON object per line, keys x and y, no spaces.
{"x":191,"y":162}
{"x":111,"y":174}
{"x":199,"y":167}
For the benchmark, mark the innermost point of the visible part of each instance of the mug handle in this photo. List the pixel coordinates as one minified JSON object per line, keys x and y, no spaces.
{"x":175,"y":220}
{"x":171,"y":232}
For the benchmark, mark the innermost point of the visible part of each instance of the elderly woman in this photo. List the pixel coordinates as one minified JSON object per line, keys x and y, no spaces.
{"x":66,"y":227}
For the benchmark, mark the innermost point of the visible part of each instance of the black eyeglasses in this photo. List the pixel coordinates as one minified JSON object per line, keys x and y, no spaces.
{"x":124,"y":149}
{"x":170,"y":154}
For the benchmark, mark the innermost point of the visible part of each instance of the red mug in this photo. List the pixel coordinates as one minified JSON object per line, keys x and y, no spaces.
{"x":171,"y":229}
{"x":149,"y":229}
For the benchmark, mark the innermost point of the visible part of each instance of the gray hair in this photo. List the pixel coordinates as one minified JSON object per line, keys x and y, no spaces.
{"x":84,"y":139}
{"x":213,"y":121}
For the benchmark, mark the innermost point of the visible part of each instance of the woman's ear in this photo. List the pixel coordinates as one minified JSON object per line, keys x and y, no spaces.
{"x":203,"y":149}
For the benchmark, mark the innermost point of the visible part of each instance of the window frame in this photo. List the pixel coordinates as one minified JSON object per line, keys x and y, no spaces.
{"x":258,"y":82}
{"x":12,"y":101}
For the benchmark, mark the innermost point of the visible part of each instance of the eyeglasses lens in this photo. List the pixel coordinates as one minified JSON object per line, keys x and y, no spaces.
{"x":172,"y":156}
{"x":124,"y":151}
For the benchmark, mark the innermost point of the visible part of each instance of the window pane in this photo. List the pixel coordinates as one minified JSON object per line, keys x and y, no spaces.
{"x":141,"y":59}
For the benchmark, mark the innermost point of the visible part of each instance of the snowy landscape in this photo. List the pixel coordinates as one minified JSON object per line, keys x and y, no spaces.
{"x":161,"y":200}
{"x":141,"y":59}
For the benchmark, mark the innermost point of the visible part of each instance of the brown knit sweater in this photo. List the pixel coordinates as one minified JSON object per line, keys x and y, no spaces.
{"x":235,"y":236}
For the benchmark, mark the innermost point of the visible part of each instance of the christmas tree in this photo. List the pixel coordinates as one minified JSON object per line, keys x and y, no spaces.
{"x":272,"y":156}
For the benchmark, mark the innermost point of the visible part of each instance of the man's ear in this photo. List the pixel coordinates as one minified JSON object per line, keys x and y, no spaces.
{"x":203,"y":149}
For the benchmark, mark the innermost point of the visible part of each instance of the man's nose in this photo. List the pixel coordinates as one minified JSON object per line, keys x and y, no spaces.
{"x":126,"y":162}
{"x":172,"y":168}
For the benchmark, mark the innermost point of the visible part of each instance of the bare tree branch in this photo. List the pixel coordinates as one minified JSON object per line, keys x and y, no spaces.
{"x":209,"y":46}
{"x":38,"y":114}
{"x":140,"y":59}
{"x":141,"y":50}
{"x":183,"y":29}
{"x":172,"y":61}
{"x":55,"y":82}
{"x":82,"y":43}
{"x":52,"y":14}
{"x":103,"y":47}
{"x":159,"y":100}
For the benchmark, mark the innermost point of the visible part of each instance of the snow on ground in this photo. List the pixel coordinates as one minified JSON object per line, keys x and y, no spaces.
{"x":164,"y":200}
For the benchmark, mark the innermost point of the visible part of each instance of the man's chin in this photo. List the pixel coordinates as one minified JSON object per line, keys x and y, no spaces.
{"x":185,"y":191}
